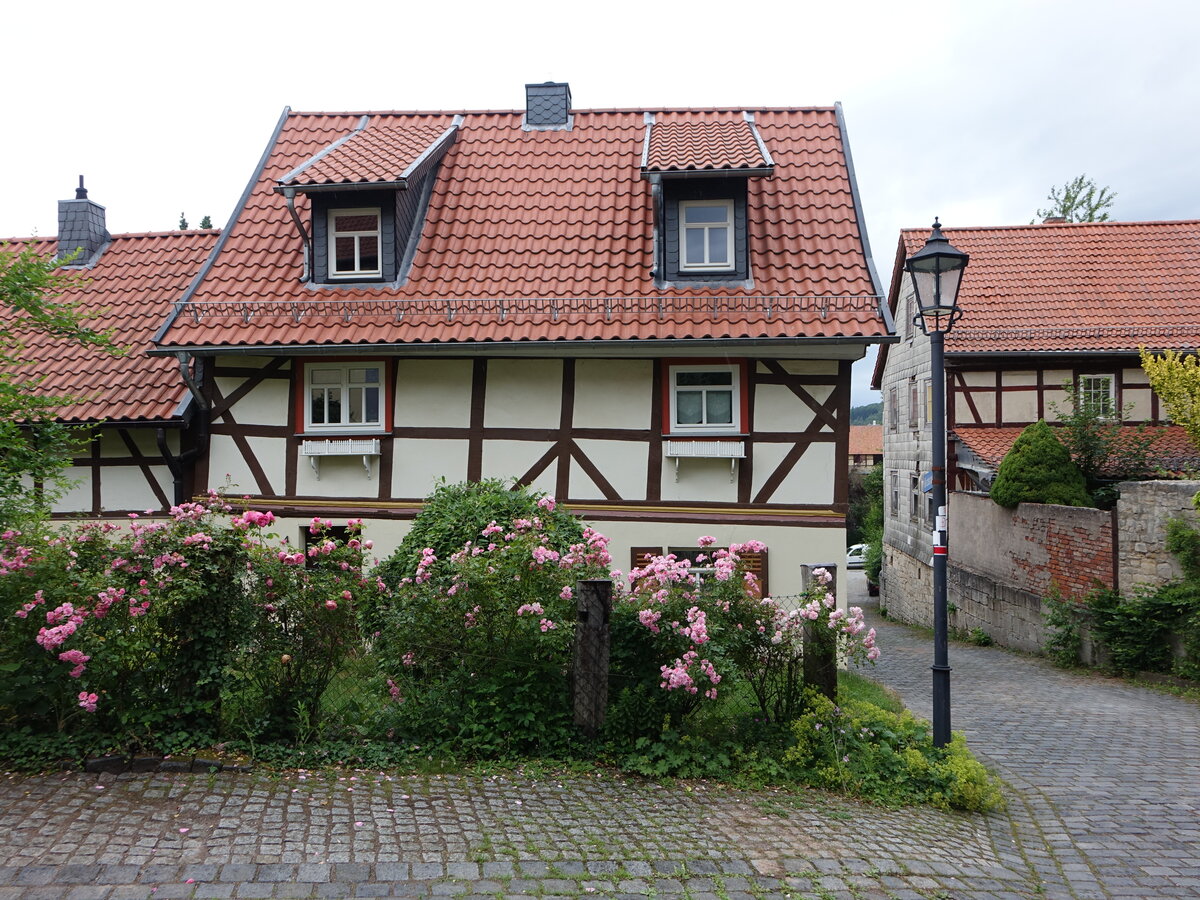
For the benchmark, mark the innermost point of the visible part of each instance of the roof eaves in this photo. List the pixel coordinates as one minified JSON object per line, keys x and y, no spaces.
{"x":234,"y":216}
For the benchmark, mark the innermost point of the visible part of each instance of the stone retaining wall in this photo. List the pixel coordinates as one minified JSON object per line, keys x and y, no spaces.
{"x":1143,"y":512}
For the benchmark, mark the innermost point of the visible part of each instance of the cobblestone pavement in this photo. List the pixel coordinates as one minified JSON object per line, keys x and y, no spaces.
{"x":1104,"y":776}
{"x":368,"y":834}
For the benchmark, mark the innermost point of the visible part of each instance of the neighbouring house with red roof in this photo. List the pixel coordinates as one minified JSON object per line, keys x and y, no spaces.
{"x":140,"y":455}
{"x":866,"y":446}
{"x":651,"y":314}
{"x":1042,"y":306}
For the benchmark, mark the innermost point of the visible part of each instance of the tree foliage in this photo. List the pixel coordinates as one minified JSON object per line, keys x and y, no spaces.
{"x":1038,"y":469}
{"x":1175,"y":377}
{"x":1079,"y":200}
{"x":206,"y":222}
{"x":34,"y":447}
{"x":1103,"y":447}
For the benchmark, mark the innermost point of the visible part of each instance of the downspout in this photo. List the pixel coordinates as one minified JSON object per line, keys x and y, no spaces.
{"x":289,"y":194}
{"x":177,"y":465}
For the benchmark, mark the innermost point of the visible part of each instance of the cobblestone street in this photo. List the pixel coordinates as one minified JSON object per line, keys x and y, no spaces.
{"x":1103,"y":801}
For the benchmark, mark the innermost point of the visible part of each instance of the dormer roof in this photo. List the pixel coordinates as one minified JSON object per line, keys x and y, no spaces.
{"x":692,"y":143}
{"x":380,"y":156}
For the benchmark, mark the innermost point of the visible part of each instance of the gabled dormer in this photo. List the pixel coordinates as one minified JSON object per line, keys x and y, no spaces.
{"x":367,"y":195}
{"x":699,"y":168}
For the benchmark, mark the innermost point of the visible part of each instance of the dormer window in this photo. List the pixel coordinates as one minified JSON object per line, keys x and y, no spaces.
{"x":354,"y":243}
{"x":706,"y":230}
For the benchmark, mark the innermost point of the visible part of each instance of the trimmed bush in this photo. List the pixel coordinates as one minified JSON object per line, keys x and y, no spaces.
{"x":1038,"y":469}
{"x":860,"y":749}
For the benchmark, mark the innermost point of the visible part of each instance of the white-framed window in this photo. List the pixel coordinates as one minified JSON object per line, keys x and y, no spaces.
{"x":354,"y":243}
{"x":706,"y":399}
{"x":706,"y":235}
{"x":345,"y":397}
{"x":1096,"y":392}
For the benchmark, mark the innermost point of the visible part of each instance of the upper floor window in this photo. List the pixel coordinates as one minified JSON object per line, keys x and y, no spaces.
{"x":706,"y":235}
{"x":893,"y":411}
{"x":914,"y":406}
{"x":706,"y":398}
{"x":1096,"y":394}
{"x":354,"y":243}
{"x":344,"y":397}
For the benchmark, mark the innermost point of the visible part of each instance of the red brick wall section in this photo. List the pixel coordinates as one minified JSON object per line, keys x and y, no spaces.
{"x":1033,"y":548}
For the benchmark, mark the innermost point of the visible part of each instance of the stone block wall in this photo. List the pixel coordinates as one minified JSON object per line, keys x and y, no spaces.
{"x":1010,"y":616}
{"x":1143,"y":512}
{"x":906,"y":588}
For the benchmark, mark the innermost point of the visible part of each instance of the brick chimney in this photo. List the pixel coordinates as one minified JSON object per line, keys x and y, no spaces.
{"x":548,"y":106}
{"x":1054,"y":220}
{"x":81,"y":226}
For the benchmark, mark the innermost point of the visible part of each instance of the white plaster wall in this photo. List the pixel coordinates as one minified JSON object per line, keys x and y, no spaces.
{"x":613,"y":393}
{"x":623,"y":463}
{"x":776,"y":408}
{"x":227,"y":466}
{"x":417,"y":465}
{"x":811,"y":479}
{"x":1020,"y":406}
{"x":512,"y":459}
{"x":266,"y":404}
{"x":523,"y":393}
{"x":433,"y":393}
{"x":807,"y":367}
{"x":1019,"y":379}
{"x":78,"y":497}
{"x":125,"y":487}
{"x":700,"y":480}
{"x":340,"y":476}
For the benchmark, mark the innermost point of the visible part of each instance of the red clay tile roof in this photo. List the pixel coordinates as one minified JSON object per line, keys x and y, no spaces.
{"x":683,"y":145}
{"x":1173,"y":450}
{"x":1075,"y":287}
{"x":379,"y":154}
{"x":546,"y":235}
{"x":130,"y":288}
{"x":866,"y":439}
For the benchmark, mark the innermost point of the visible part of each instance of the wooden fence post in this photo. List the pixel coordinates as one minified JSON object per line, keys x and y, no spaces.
{"x":593,"y":607}
{"x":821,"y":642}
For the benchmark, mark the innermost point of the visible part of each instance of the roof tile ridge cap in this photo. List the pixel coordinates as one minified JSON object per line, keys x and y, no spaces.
{"x":363,"y":122}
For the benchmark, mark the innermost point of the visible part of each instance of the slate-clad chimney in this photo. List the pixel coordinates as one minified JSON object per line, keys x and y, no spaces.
{"x":81,"y":225}
{"x":548,"y":106}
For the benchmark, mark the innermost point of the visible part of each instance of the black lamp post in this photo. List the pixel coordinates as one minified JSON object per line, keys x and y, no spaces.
{"x":936,"y":271}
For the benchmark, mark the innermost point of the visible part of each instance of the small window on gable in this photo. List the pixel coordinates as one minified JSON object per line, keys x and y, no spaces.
{"x":344,"y":398}
{"x":706,"y":235}
{"x":354,"y":243}
{"x":705,"y":399}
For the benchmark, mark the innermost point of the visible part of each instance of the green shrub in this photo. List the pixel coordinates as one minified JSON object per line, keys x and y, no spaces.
{"x":474,"y":649}
{"x":1038,"y":469}
{"x":860,"y":749}
{"x":455,"y":514}
{"x":1064,"y":622}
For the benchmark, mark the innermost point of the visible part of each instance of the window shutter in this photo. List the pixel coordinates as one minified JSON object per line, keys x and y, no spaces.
{"x":639,"y":556}
{"x":756,"y":564}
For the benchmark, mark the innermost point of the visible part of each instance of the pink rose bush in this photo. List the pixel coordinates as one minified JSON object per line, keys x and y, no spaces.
{"x":705,"y":620}
{"x":134,"y":630}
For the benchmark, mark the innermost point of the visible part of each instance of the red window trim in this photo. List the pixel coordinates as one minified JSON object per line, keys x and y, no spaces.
{"x":665,"y":366}
{"x":299,"y":396}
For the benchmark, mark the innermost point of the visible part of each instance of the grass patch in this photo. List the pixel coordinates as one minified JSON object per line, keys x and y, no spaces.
{"x":854,"y":686}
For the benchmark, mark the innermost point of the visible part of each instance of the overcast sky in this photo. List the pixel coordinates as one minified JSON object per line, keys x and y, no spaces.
{"x":966,"y":110}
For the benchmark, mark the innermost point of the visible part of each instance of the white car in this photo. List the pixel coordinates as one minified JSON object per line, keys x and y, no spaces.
{"x":856,"y":556}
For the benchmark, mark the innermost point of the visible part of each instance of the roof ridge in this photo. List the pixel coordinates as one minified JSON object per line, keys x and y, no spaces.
{"x":521,"y":112}
{"x":1044,"y":226}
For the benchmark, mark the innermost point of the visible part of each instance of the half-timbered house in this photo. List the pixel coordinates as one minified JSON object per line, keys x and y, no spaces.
{"x":651,"y":314}
{"x":1044,"y":307}
{"x":139,"y":458}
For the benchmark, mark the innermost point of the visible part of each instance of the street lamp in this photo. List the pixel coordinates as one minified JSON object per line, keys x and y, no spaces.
{"x":936,"y":271}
